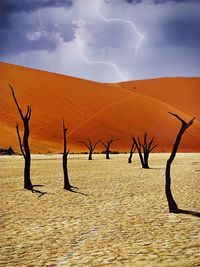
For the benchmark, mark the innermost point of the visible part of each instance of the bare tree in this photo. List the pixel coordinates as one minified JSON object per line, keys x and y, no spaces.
{"x":144,"y":149}
{"x":171,"y":202}
{"x":107,"y":145}
{"x":67,"y":185}
{"x":132,"y":150}
{"x":91,"y":147}
{"x":24,"y":145}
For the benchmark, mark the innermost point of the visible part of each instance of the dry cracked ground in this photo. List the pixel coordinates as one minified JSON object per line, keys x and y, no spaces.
{"x":121,"y":219}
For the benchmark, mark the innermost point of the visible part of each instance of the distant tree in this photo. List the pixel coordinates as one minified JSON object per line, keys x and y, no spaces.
{"x":24,"y":145}
{"x":91,"y":147}
{"x":7,"y":151}
{"x":144,"y":149}
{"x":67,"y":185}
{"x":132,"y":150}
{"x":171,"y":202}
{"x":10,"y":151}
{"x":107,"y":145}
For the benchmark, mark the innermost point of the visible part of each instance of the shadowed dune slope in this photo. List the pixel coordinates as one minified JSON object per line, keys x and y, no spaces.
{"x":96,"y":110}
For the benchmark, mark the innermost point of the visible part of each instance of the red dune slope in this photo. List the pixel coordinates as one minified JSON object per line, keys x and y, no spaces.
{"x":95,"y":110}
{"x":181,"y":93}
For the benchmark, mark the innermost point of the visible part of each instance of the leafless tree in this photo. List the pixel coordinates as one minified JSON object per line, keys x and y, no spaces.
{"x":132,"y":150}
{"x":171,"y":202}
{"x":144,"y":149}
{"x":91,"y":147}
{"x":24,"y":145}
{"x":107,"y":145}
{"x":67,"y":185}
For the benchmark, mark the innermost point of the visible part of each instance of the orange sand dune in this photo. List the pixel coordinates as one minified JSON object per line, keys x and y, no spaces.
{"x":182,"y":93}
{"x":96,"y":110}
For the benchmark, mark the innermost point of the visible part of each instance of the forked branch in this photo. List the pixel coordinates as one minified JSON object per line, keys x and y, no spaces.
{"x":144,"y":149}
{"x":91,"y":146}
{"x":107,"y":145}
{"x":20,"y":141}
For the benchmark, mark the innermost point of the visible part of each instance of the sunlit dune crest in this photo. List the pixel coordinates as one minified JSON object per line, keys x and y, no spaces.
{"x":97,"y":110}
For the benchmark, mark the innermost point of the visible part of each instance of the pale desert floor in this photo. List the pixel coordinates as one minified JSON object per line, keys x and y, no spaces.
{"x":122,"y":221}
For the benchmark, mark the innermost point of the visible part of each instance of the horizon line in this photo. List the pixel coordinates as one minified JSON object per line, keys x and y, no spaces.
{"x":95,"y":81}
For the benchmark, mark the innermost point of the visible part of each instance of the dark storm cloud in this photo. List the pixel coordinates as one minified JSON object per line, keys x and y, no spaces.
{"x":176,"y":1}
{"x":9,"y":8}
{"x":182,"y":26}
{"x":16,"y":6}
{"x":134,"y":1}
{"x":183,"y":32}
{"x":161,"y":1}
{"x":17,"y":19}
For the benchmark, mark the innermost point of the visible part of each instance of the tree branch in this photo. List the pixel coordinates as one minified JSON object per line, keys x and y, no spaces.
{"x":103,"y":143}
{"x":95,"y":145}
{"x":16,"y":102}
{"x":153,"y":148}
{"x":83,"y":142}
{"x":20,"y":141}
{"x":183,"y":122}
{"x":28,"y":113}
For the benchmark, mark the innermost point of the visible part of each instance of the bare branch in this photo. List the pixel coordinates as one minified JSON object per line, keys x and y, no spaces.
{"x":153,"y":148}
{"x":139,"y":143}
{"x":150,"y":143}
{"x":104,"y":144}
{"x":83,"y":142}
{"x":191,"y":122}
{"x":20,"y":141}
{"x":95,"y":145}
{"x":16,"y":102}
{"x":183,"y":122}
{"x":28,"y":113}
{"x":113,"y":139}
{"x":90,"y":144}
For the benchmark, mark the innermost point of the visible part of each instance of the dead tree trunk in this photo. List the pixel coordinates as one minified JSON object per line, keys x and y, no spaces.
{"x":171,"y":202}
{"x":139,"y":149}
{"x":144,"y":149}
{"x":91,"y":147}
{"x":24,"y":146}
{"x":107,"y":145}
{"x":132,"y":150}
{"x":67,"y":185}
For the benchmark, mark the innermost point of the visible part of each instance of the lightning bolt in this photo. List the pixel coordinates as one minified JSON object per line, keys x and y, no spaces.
{"x":91,"y":62}
{"x":126,"y":21}
{"x":108,"y":20}
{"x":79,"y":45}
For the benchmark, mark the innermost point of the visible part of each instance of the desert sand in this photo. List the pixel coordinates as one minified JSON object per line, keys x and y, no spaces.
{"x":97,"y":110}
{"x":122,"y":220}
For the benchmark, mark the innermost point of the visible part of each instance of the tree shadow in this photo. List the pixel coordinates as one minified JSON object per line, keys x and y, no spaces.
{"x":74,"y":187}
{"x":190,"y":212}
{"x":76,"y":192}
{"x":38,"y":185}
{"x":157,"y":168}
{"x":41,"y":193}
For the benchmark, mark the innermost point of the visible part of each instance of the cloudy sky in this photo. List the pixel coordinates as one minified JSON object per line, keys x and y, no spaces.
{"x":103,"y":40}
